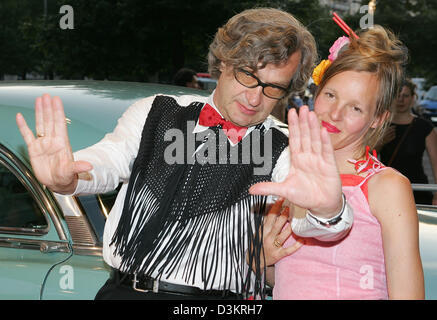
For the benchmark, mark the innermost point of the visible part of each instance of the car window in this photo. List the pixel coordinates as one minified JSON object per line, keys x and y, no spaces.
{"x":432,"y":94}
{"x":207,"y":84}
{"x":97,"y":208}
{"x":18,"y":209}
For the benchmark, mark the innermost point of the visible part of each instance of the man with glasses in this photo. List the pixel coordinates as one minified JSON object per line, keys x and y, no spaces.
{"x":191,"y":230}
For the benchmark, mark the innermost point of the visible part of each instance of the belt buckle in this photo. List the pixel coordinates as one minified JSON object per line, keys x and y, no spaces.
{"x":155,"y":285}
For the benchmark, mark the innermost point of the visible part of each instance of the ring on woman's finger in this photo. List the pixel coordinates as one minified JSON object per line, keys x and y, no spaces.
{"x":40,"y":135}
{"x":277,"y":243}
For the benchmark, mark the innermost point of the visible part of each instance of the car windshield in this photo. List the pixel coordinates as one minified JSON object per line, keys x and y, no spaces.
{"x":432,"y":94}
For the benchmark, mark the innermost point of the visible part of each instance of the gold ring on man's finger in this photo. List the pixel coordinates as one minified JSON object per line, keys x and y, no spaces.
{"x":277,"y":243}
{"x":40,"y":135}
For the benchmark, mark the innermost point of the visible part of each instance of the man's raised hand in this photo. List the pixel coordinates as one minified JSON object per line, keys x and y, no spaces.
{"x":313,"y":181}
{"x":50,"y":152}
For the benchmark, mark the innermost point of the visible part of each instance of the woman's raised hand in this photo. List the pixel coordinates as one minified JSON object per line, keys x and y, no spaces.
{"x":50,"y":152}
{"x":313,"y":181}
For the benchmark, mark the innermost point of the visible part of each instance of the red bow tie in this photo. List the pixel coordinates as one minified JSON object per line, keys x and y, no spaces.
{"x":209,"y":117}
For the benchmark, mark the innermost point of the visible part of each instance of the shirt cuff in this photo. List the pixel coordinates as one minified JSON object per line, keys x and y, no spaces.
{"x":309,"y":227}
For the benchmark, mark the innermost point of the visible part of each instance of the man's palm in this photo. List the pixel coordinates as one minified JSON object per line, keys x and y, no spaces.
{"x":313,"y":181}
{"x":50,"y":152}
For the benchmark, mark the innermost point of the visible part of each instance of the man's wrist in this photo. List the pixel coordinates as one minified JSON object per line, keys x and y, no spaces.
{"x":328,"y":214}
{"x":326,"y":222}
{"x":66,"y":189}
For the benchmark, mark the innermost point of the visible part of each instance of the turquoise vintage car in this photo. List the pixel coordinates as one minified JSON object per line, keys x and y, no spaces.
{"x":51,"y":246}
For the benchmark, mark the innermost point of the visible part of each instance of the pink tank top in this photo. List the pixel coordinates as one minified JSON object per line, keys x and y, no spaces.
{"x":351,"y":268}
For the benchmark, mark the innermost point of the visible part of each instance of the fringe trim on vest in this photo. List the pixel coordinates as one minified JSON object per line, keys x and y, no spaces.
{"x":199,"y":216}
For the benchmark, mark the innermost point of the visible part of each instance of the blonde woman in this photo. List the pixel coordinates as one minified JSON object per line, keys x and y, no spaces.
{"x":379,"y":258}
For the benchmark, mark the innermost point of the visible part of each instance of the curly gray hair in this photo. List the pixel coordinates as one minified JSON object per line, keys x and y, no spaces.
{"x":257,"y":37}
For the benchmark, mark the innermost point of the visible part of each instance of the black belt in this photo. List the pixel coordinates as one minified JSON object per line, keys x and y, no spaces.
{"x":147,"y":284}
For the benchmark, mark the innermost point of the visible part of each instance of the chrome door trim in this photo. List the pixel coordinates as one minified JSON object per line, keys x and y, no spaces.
{"x":85,"y":250}
{"x":24,"y":231}
{"x":39,"y":245}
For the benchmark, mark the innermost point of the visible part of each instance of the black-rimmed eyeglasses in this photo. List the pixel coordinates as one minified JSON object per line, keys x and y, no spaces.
{"x":249,"y":80}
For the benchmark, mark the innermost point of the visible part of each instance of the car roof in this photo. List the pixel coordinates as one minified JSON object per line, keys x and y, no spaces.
{"x":92,"y":106}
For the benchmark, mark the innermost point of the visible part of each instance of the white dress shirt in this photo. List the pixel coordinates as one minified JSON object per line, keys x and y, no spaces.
{"x":112,"y":159}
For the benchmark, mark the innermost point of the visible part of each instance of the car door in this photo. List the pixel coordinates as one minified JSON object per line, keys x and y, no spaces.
{"x":428,"y":240}
{"x":428,"y":252}
{"x":32,"y":238}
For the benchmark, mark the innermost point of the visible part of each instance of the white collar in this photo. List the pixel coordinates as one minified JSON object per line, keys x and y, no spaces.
{"x":268,"y":122}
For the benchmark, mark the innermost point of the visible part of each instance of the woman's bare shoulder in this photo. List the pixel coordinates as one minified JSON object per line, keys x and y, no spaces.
{"x":390,"y":192}
{"x":388,"y":177}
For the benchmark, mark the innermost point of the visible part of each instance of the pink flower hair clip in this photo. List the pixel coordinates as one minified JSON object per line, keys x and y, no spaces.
{"x":340,"y":44}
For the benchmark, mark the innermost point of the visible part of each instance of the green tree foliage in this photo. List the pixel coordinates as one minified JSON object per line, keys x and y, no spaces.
{"x":17,"y":55}
{"x":414,"y":22}
{"x":139,"y":40}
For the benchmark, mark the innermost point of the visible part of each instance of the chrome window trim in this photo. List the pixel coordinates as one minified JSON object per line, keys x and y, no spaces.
{"x":427,"y":210}
{"x":72,"y":210}
{"x":68,"y":204}
{"x":24,"y":231}
{"x":424,"y":187}
{"x":26,"y":177}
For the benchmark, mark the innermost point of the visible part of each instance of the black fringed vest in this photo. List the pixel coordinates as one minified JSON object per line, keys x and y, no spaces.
{"x":194,"y":219}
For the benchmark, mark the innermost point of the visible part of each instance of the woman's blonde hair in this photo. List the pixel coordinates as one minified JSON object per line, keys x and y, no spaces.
{"x":263,"y":36}
{"x":377,"y":51}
